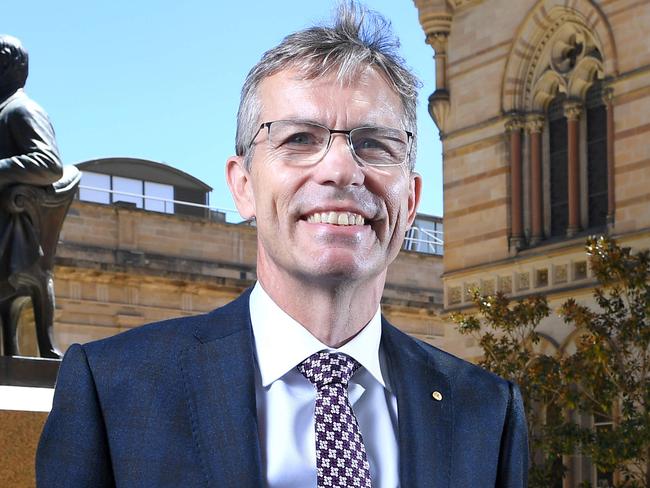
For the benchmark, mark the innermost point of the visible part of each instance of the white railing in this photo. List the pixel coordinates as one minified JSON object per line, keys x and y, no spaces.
{"x":424,"y":240}
{"x":231,"y":215}
{"x":417,"y":239}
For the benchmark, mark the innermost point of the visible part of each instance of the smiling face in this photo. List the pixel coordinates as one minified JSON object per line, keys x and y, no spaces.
{"x":331,"y":221}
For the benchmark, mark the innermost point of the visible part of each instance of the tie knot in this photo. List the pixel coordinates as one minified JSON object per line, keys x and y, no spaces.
{"x":324,"y":368}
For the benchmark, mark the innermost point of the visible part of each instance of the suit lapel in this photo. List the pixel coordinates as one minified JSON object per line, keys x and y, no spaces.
{"x":219,"y":378}
{"x":424,"y":422}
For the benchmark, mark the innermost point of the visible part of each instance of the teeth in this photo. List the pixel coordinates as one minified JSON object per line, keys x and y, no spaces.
{"x":336,"y":218}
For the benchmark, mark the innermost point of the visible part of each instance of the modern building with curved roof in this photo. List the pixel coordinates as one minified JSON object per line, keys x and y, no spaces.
{"x":144,"y":184}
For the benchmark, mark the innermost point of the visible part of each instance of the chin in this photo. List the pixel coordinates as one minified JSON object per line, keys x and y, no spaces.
{"x":339,"y":270}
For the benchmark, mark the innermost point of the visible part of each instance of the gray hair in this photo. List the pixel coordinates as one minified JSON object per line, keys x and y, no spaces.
{"x":359,"y":38}
{"x":14,"y":63}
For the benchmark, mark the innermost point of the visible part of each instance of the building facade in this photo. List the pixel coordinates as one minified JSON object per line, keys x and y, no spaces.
{"x":544,"y":112}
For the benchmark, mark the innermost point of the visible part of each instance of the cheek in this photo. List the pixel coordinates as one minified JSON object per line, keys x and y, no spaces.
{"x":273,"y":190}
{"x":396,"y":198}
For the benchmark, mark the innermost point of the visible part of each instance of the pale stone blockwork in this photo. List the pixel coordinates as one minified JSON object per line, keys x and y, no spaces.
{"x":506,"y":62}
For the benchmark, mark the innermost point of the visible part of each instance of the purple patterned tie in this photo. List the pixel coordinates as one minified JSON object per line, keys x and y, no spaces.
{"x":341,"y":459}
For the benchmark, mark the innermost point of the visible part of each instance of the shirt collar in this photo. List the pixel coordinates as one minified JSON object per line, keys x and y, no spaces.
{"x":281,"y":342}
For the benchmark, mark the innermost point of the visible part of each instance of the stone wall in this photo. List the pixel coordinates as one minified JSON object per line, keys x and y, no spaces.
{"x":499,"y":64}
{"x":490,"y":55}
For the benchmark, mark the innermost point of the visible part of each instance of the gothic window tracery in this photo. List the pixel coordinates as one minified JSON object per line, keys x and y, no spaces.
{"x":566,"y":145}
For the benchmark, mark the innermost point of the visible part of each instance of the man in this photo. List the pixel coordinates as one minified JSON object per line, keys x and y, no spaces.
{"x":300,"y":382}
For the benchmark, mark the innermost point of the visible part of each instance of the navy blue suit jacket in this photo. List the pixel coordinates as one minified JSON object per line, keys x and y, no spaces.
{"x":172,"y":404}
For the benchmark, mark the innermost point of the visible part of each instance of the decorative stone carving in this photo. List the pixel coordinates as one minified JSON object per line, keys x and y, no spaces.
{"x":587,"y":70}
{"x":467,"y":291}
{"x":515,"y":122}
{"x":461,"y":4}
{"x":579,"y":270}
{"x":541,"y":278}
{"x":535,"y":123}
{"x":573,"y":109}
{"x":439,"y":105}
{"x":454,"y":295}
{"x":608,"y":96}
{"x":505,"y":284}
{"x":523,"y":281}
{"x":560,"y":274}
{"x":558,"y":49}
{"x":435,"y":17}
{"x":438,"y":41}
{"x":567,"y":49}
{"x":487,"y":287}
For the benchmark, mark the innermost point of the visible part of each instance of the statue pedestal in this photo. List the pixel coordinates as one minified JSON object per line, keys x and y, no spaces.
{"x":26,"y":390}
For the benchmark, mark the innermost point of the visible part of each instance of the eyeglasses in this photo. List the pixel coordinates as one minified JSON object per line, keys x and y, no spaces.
{"x":307,"y":142}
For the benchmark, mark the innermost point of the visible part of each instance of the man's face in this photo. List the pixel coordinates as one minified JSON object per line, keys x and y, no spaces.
{"x":285,"y":197}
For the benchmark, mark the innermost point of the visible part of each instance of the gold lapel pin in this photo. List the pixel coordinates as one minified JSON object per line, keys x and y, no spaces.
{"x":436,"y":395}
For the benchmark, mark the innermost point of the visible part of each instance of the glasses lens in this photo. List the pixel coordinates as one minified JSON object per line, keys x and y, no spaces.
{"x":298,"y":140}
{"x":380,"y":146}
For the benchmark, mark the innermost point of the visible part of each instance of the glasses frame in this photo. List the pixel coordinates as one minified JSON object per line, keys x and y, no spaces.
{"x":347,"y":133}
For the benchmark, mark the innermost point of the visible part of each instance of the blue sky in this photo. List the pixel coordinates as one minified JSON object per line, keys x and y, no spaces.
{"x":160,"y":79}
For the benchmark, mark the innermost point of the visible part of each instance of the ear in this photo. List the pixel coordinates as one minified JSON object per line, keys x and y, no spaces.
{"x":415,"y":188}
{"x":241,"y":186}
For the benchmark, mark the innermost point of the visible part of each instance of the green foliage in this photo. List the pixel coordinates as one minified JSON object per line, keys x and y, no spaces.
{"x":610,"y":370}
{"x":607,"y":377}
{"x":507,"y":334}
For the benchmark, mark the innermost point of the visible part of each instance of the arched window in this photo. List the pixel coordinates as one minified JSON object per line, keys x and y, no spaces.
{"x":558,"y":170}
{"x":561,"y":168}
{"x":596,"y":119}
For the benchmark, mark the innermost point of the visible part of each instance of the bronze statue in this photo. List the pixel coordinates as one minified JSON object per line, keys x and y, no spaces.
{"x":35,"y":193}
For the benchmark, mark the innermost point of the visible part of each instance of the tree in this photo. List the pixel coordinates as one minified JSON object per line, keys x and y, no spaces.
{"x":607,"y":378}
{"x":507,"y":334}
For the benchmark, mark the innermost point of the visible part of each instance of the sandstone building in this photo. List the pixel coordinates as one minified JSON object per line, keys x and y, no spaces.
{"x":544,"y":112}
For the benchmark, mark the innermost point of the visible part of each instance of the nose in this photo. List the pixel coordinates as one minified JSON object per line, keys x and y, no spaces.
{"x":338,"y":166}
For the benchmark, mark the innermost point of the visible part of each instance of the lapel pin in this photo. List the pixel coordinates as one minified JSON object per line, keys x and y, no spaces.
{"x":436,"y":395}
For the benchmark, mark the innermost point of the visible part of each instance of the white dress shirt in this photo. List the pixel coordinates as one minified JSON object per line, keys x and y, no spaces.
{"x":286,"y":399}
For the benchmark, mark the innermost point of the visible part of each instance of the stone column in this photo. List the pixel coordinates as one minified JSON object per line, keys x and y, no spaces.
{"x":513,"y":126}
{"x":572,"y":111}
{"x":608,"y":98}
{"x":438,"y":41}
{"x":534,"y":126}
{"x":439,"y":101}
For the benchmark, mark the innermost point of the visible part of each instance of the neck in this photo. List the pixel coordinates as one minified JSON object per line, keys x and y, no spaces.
{"x":333,"y":312}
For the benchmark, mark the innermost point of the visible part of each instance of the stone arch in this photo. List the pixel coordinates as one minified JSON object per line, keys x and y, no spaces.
{"x":568,"y":346}
{"x":583,"y":76}
{"x":545,"y":90}
{"x":530,"y":52}
{"x":547,"y":345}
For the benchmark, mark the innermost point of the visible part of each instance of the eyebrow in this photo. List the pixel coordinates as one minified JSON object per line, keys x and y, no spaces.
{"x":358,"y":126}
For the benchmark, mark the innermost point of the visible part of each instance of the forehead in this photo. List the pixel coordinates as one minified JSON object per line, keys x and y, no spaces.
{"x":365,"y":99}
